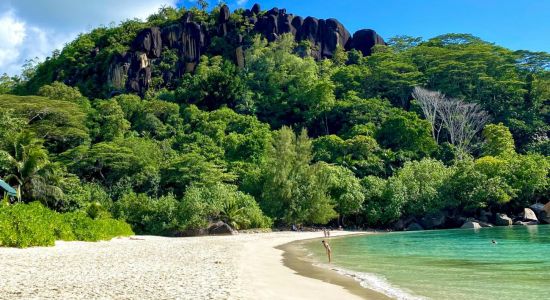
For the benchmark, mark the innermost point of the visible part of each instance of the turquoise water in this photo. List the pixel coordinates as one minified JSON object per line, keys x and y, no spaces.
{"x":448,"y":264}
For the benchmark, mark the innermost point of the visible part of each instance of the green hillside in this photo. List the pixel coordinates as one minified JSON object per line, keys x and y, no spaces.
{"x":282,"y":136}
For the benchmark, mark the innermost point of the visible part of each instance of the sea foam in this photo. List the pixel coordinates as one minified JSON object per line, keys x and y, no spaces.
{"x":374,"y":282}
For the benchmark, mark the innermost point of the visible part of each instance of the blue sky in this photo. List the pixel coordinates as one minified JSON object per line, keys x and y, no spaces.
{"x":515,"y":24}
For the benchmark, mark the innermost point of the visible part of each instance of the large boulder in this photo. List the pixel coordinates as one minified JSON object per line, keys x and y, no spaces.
{"x":223,"y":17}
{"x":471,"y":225}
{"x":364,"y":39}
{"x":256,"y":9}
{"x":529,"y":215}
{"x":434,"y":220}
{"x":545,"y":214}
{"x":221,"y":228}
{"x":149,"y":41}
{"x":414,"y":227}
{"x":502,"y":220}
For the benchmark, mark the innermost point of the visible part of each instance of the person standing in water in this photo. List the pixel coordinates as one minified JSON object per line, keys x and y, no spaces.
{"x":327,"y":248}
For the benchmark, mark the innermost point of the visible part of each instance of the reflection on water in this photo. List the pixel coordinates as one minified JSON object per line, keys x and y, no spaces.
{"x":453,"y":264}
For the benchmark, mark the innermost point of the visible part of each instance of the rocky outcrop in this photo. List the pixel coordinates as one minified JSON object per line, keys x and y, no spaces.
{"x":545,"y":214}
{"x":529,"y":215}
{"x":190,"y":39}
{"x":542,"y":211}
{"x":502,"y":220}
{"x":414,"y":227}
{"x":435,"y":220}
{"x":363,"y":40}
{"x":471,"y":225}
{"x":526,"y":223}
{"x":221,"y":228}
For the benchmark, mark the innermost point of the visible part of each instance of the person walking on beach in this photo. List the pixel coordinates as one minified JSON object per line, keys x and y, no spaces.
{"x":327,"y":248}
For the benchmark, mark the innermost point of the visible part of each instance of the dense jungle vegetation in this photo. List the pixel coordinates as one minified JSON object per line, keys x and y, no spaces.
{"x":284,"y":140}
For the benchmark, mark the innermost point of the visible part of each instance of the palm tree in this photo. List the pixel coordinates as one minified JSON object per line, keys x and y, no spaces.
{"x":30,"y":170}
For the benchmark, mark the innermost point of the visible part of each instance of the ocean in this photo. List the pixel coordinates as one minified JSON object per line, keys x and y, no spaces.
{"x":446,"y":264}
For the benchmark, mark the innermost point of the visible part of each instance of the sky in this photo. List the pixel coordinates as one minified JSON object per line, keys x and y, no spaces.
{"x":34,"y":28}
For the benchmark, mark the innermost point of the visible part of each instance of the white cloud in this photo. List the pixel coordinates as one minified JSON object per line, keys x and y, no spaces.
{"x":31,"y":28}
{"x":241,"y":2}
{"x":12,"y":34}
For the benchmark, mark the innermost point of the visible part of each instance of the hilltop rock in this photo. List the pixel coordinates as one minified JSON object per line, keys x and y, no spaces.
{"x":149,"y":41}
{"x":363,"y":40}
{"x":190,"y":39}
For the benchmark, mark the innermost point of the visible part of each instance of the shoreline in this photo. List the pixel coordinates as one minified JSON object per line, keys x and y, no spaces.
{"x":243,"y":266}
{"x":296,"y":258}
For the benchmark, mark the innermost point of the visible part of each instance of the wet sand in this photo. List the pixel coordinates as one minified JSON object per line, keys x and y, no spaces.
{"x":296,"y":258}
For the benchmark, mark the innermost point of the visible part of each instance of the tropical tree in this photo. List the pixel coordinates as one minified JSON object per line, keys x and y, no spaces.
{"x":31,"y":172}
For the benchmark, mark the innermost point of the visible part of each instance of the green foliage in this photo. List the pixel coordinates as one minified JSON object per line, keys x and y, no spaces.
{"x":149,"y":215}
{"x":293,"y":190}
{"x":344,"y":188}
{"x":418,"y":183}
{"x":27,"y":225}
{"x":286,"y":88}
{"x":498,"y":140}
{"x":61,"y":124}
{"x":409,"y":135}
{"x":202,"y":204}
{"x":380,"y":207}
{"x":199,"y":146}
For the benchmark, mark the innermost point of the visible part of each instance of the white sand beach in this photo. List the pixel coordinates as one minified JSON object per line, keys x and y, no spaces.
{"x":245,"y":266}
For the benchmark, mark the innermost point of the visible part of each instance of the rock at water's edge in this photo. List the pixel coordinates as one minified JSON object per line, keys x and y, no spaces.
{"x":502,"y":220}
{"x":471,"y":225}
{"x":529,"y":215}
{"x":414,"y":227}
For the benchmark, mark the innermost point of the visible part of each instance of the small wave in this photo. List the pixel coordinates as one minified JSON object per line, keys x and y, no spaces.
{"x":374,"y":282}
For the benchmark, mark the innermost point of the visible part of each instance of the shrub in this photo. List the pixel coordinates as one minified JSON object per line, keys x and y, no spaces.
{"x":221,"y":202}
{"x":148,"y":215}
{"x":27,"y":225}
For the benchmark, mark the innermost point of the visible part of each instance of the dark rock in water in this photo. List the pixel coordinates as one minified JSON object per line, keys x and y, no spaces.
{"x":483,"y":224}
{"x":502,"y":220}
{"x":399,"y":225}
{"x":529,"y":215}
{"x":221,"y":228}
{"x":544,"y":215}
{"x":471,"y":225}
{"x":435,"y":220}
{"x":363,"y":40}
{"x":414,"y":227}
{"x":526,"y":223}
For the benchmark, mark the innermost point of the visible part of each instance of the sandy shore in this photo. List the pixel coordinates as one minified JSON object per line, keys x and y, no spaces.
{"x":245,"y":266}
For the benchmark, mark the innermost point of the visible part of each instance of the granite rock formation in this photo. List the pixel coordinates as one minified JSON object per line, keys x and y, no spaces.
{"x":132,"y":70}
